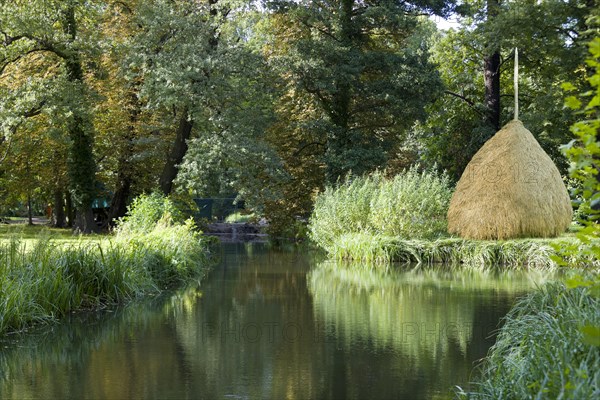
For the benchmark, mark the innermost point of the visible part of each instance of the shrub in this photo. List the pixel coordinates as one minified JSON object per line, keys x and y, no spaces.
{"x":146,"y":211}
{"x":240,"y":217}
{"x":410,"y":205}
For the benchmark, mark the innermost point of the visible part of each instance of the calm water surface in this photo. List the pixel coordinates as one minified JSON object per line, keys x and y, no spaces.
{"x":274,"y":324}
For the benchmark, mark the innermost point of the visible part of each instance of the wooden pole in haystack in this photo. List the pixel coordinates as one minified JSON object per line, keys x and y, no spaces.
{"x":510,"y":189}
{"x":516,"y":84}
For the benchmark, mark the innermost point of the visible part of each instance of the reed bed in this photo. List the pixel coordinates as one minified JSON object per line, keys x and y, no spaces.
{"x":517,"y":253}
{"x":542,"y":352}
{"x":43,"y":280}
{"x":410,"y":205}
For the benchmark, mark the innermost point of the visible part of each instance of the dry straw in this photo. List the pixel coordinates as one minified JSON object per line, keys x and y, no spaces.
{"x":510,"y":189}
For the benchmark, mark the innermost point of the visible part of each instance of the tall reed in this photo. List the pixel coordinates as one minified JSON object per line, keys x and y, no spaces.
{"x":410,"y":205}
{"x":52,"y":278}
{"x":541,"y":351}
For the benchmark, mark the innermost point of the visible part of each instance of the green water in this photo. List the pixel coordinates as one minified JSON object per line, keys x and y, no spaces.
{"x":273,"y":324}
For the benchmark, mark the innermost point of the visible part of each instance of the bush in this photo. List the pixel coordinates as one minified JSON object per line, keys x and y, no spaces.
{"x":146,"y":211}
{"x":240,"y":217}
{"x":411,"y":205}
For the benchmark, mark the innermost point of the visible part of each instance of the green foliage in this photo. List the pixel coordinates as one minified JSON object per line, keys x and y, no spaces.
{"x":583,"y":152}
{"x":410,"y":205}
{"x":546,"y":348}
{"x":238,"y":217}
{"x":358,"y":74}
{"x":150,"y":252}
{"x":55,"y":39}
{"x":146,"y":211}
{"x":551,"y":37}
{"x":481,"y":254}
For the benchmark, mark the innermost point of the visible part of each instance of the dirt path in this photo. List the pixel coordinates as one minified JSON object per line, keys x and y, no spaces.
{"x":36,"y":221}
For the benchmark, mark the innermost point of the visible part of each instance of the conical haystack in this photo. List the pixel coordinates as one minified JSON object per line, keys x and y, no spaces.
{"x":510,"y":189}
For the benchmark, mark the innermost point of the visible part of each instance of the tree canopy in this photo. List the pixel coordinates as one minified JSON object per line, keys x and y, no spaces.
{"x":268,"y":102}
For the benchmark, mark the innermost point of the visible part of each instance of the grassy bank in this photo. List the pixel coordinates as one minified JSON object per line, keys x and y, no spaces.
{"x":33,"y":232}
{"x":42,"y":279}
{"x":382,"y":249}
{"x":547,"y":349}
{"x":378,"y":220}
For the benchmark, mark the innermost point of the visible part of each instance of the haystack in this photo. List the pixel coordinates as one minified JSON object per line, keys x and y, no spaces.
{"x":510,"y":189}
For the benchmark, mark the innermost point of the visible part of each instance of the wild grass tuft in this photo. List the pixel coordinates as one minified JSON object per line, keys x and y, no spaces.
{"x":542,"y":352}
{"x":44,"y":282}
{"x":381,"y":249}
{"x":410,"y":205}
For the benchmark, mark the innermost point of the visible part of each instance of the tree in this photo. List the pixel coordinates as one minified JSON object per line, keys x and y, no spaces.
{"x":365,"y":68}
{"x":120,"y":118}
{"x":53,"y":29}
{"x":177,"y":72}
{"x":230,"y":153}
{"x":550,"y":36}
{"x":491,"y":70}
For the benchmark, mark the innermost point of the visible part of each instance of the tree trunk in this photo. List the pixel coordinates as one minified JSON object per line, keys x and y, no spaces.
{"x":120,"y":199}
{"x":119,"y":202}
{"x":184,"y":130}
{"x":69,"y":210}
{"x":491,"y":73}
{"x":29,"y":210}
{"x":81,"y":165}
{"x":58,"y":214}
{"x":84,"y":221}
{"x":177,"y":153}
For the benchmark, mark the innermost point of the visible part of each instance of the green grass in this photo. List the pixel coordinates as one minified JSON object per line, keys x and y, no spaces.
{"x":33,"y":232}
{"x":44,"y":278}
{"x":541,"y":351}
{"x":238,"y":217}
{"x":411,"y":205}
{"x":380,"y":249}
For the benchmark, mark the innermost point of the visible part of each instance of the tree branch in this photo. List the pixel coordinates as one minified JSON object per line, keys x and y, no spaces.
{"x":301,"y":149}
{"x":13,"y":129}
{"x":466,"y":100}
{"x":19,"y":57}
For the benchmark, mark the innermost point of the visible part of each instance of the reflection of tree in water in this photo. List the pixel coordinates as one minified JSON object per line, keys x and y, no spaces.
{"x":204,"y":342}
{"x":437,"y":320}
{"x":92,"y":355}
{"x":253,"y":333}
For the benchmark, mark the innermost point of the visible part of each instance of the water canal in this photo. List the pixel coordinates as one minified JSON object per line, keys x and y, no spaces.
{"x":273,"y":323}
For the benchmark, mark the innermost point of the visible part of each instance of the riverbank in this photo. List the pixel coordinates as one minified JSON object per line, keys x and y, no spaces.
{"x":548,"y":347}
{"x":517,"y":253}
{"x":45,"y":277}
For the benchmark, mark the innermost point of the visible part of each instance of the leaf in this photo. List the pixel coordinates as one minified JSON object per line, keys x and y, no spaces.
{"x":568,"y":87}
{"x":558,"y":260}
{"x":573,"y":103}
{"x":577,"y":281}
{"x":595,"y":47}
{"x":591,"y":334}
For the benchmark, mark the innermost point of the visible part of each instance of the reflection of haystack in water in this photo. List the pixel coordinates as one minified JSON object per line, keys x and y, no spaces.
{"x":510,"y":189}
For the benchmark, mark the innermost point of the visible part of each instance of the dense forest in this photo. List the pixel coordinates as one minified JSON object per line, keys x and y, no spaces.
{"x":267,"y":101}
